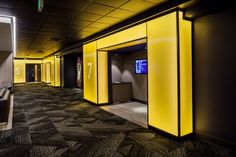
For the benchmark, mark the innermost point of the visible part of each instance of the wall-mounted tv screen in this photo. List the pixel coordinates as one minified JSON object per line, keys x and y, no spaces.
{"x":141,"y":66}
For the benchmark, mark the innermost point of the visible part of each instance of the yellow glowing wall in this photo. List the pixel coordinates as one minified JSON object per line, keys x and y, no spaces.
{"x":162,"y":74}
{"x":51,"y":71}
{"x":29,"y":61}
{"x":102,"y":77}
{"x":57,"y":72}
{"x":185,"y":44}
{"x":169,"y":71}
{"x":19,"y":71}
{"x":43,"y":72}
{"x":90,"y":71}
{"x":130,"y":34}
{"x":48,"y":72}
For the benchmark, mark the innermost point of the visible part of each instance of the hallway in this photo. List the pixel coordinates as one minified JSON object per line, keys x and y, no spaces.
{"x":57,"y":122}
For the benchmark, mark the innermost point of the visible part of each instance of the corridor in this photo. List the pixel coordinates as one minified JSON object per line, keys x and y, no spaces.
{"x":57,"y":122}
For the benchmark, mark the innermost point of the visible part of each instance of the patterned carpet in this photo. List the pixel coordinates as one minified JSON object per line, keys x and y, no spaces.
{"x":53,"y":122}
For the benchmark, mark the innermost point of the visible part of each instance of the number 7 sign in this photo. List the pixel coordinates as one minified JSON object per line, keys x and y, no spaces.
{"x":89,"y":69}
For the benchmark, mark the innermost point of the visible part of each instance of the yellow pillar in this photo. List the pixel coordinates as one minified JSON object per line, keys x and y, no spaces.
{"x":169,"y":74}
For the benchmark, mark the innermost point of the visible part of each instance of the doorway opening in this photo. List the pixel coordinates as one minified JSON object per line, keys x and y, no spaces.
{"x":33,"y":73}
{"x":127,"y":82}
{"x":72,"y":70}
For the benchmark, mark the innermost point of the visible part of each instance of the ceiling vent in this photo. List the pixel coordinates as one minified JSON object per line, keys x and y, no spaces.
{"x":55,"y":39}
{"x":39,"y":51}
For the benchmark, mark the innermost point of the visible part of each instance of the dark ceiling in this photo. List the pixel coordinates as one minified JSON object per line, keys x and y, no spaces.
{"x":66,"y":22}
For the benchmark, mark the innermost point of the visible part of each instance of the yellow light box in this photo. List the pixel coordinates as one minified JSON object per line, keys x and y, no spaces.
{"x":90,"y":71}
{"x":57,"y":82}
{"x":162,"y":74}
{"x":169,"y":70}
{"x":51,"y":71}
{"x":130,"y":34}
{"x":19,"y":71}
{"x":185,"y":56}
{"x":169,"y":74}
{"x":102,"y":77}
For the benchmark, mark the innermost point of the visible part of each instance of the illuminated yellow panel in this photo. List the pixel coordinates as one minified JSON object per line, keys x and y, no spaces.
{"x":52,"y":77}
{"x":43,"y":72}
{"x":90,"y":72}
{"x":30,"y":61}
{"x":19,"y":71}
{"x":102,"y":77}
{"x":127,"y":44}
{"x":36,"y":72}
{"x":57,"y":72}
{"x":130,"y":34}
{"x":185,"y":40}
{"x":162,"y":74}
{"x":50,"y":70}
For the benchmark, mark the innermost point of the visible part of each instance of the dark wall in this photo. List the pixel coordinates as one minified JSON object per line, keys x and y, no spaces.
{"x":214,"y":75}
{"x":70,"y":70}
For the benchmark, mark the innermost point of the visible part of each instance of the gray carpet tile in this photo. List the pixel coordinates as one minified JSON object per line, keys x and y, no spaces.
{"x":57,"y":122}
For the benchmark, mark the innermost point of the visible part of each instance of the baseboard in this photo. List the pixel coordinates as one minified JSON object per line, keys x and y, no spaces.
{"x":90,"y":101}
{"x":103,"y":104}
{"x":140,"y":101}
{"x":56,"y":86}
{"x":217,"y":140}
{"x":164,"y":133}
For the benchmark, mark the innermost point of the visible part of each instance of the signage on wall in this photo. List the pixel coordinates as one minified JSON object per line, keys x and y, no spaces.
{"x":18,"y":70}
{"x":40,"y":5}
{"x":89,"y":69}
{"x":79,"y":72}
{"x":141,"y":66}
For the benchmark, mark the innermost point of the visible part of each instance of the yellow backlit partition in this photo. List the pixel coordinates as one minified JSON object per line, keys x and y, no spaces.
{"x":19,"y":71}
{"x":43,"y":72}
{"x":169,"y":75}
{"x":129,"y":34}
{"x":90,"y":71}
{"x":51,"y":59}
{"x":102,"y":77}
{"x":185,"y":44}
{"x":20,"y":68}
{"x":57,"y":72}
{"x":169,"y":70}
{"x":48,"y":72}
{"x":34,"y":61}
{"x":51,"y":71}
{"x":162,"y":74}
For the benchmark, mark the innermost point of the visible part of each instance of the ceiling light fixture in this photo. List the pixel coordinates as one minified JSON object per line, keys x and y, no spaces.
{"x":40,"y":5}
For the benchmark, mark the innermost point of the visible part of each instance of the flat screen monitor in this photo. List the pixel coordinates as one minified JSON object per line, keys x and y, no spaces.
{"x":141,"y":66}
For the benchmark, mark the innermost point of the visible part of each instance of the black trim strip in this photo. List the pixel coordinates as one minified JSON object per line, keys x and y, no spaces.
{"x":164,"y":133}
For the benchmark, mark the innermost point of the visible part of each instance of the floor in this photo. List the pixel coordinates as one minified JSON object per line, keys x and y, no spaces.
{"x":57,"y":122}
{"x":133,"y":111}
